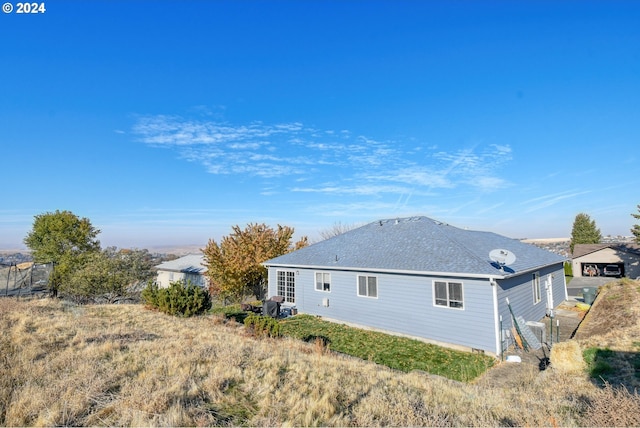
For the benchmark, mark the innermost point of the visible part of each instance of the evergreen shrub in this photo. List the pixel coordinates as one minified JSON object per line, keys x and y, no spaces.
{"x":568,"y":269}
{"x":262,"y":326}
{"x":178,"y":299}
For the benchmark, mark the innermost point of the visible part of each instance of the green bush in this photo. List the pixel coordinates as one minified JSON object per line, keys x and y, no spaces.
{"x":178,"y":299}
{"x":230,"y":312}
{"x":150,"y":294}
{"x":262,"y":326}
{"x":568,"y":269}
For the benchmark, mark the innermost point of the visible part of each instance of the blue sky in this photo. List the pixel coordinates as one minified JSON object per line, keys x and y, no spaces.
{"x":166,"y":123}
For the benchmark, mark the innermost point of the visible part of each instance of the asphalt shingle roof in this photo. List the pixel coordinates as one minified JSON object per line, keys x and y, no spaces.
{"x":580,"y":250}
{"x":417,"y":244}
{"x":191,"y":263}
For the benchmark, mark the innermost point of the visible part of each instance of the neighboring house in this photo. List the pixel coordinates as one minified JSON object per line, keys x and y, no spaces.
{"x":188,"y":268}
{"x":421,"y":278}
{"x":594,"y":257}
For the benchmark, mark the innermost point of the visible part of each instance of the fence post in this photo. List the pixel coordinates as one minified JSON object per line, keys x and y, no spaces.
{"x":6,"y":290}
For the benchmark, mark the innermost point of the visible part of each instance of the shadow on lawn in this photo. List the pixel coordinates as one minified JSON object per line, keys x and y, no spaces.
{"x":616,"y":368}
{"x":318,"y":339}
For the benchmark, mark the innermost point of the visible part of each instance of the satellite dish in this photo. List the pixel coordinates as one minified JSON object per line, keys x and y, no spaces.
{"x":502,"y":258}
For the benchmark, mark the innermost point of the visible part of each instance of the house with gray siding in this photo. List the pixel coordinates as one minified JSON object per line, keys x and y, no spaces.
{"x":421,"y":278}
{"x":189,"y":268}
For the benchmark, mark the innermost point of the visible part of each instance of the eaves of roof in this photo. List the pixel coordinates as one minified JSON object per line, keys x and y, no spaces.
{"x":498,"y":275}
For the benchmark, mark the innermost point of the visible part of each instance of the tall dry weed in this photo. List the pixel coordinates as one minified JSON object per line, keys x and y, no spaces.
{"x":612,"y":407}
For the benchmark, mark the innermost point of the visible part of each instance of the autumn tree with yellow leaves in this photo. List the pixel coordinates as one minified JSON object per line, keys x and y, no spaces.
{"x":234,"y":267}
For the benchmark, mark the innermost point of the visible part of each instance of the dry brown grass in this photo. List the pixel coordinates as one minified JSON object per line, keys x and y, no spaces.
{"x":613,"y":407}
{"x":566,"y":357}
{"x":612,"y":321}
{"x":613,"y":327}
{"x":121,"y":365}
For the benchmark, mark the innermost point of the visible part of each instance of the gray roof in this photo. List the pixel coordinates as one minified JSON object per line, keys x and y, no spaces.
{"x":417,"y":244}
{"x":191,"y":263}
{"x":580,"y":250}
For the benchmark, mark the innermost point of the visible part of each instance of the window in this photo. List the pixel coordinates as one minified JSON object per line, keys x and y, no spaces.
{"x":535,"y":284}
{"x":323,"y":281}
{"x":368,"y":286}
{"x":448,"y":294}
{"x":287,"y":285}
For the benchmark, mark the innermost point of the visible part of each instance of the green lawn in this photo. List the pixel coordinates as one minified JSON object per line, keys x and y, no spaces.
{"x":230,"y":312}
{"x":392,"y":351}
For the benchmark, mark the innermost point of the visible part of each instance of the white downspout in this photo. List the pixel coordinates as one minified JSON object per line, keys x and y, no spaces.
{"x":496,"y":315}
{"x":548,"y":285}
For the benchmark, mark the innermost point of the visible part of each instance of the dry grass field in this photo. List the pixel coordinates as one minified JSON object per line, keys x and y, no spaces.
{"x":62,"y":364}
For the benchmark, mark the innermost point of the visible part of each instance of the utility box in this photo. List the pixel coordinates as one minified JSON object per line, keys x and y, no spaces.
{"x":325,"y":302}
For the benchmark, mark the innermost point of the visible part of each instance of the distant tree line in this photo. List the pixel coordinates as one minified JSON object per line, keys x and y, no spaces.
{"x":85,"y":272}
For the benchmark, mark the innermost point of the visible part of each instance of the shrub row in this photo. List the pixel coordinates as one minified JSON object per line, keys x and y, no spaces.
{"x":262,"y":326}
{"x":178,"y":299}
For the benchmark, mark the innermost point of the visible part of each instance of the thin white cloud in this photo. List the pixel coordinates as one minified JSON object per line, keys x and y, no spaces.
{"x":245,"y":146}
{"x":546,"y":201}
{"x":421,"y":176}
{"x":367,"y":211}
{"x":447,"y":170}
{"x":302,"y":153}
{"x":489,"y":208}
{"x":370,"y":189}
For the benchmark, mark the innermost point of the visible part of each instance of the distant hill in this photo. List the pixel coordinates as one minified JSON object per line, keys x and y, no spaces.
{"x":545,"y":240}
{"x":178,"y":250}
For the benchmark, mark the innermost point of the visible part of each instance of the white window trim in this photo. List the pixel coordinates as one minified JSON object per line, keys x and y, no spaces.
{"x":535,"y":288}
{"x":315,"y":282}
{"x":366,"y":296}
{"x":433,"y":289}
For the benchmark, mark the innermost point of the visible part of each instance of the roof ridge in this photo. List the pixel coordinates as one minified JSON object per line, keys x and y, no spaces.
{"x":455,"y":241}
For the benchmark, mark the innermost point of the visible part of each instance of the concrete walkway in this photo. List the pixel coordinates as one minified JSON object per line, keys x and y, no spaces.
{"x":575,"y":286}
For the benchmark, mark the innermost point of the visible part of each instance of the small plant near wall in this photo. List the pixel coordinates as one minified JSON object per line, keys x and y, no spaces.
{"x":178,"y":299}
{"x":568,"y":269}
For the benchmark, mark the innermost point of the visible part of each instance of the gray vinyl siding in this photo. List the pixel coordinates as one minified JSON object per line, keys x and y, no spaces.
{"x":405,"y":304}
{"x":165,"y":278}
{"x":519,"y":291}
